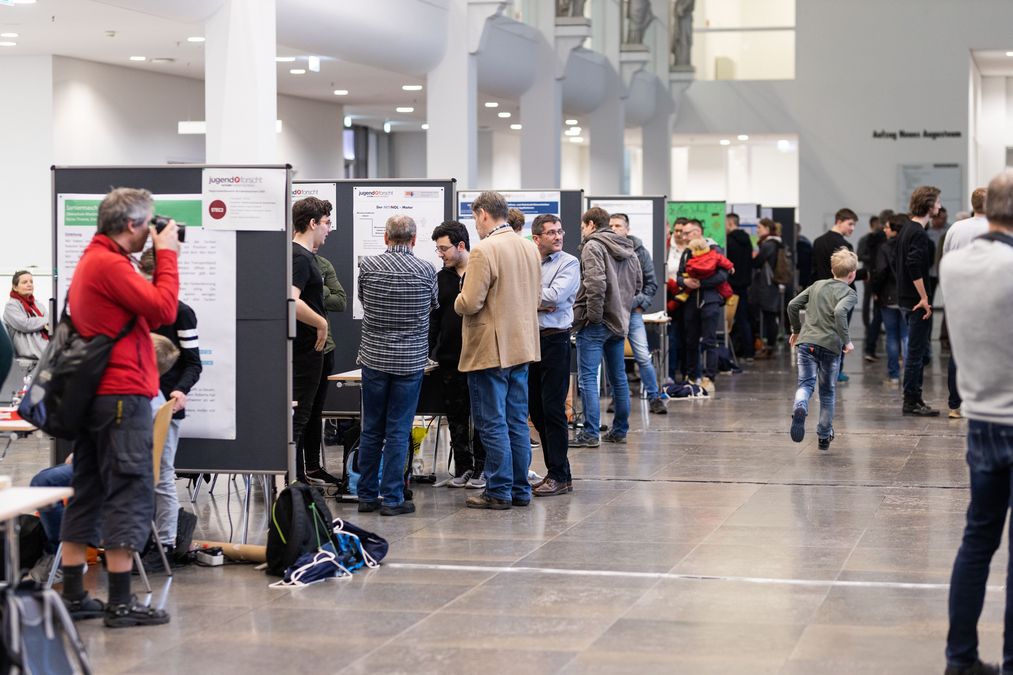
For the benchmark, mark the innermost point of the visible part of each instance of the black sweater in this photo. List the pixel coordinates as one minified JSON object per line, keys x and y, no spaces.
{"x":740,"y":252}
{"x":186,"y":371}
{"x":912,"y":261}
{"x":823,"y":248}
{"x":444,"y":323}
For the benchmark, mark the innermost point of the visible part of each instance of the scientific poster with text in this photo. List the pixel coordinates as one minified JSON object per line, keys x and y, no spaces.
{"x":373,"y":205}
{"x":641,"y":215}
{"x":207,"y":282}
{"x":531,"y":203}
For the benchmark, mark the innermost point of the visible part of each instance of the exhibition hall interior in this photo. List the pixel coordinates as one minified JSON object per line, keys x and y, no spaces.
{"x":506,"y":336}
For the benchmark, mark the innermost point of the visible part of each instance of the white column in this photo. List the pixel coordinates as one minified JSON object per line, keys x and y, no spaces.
{"x":26,"y":136}
{"x":607,"y":125}
{"x":657,"y":137}
{"x":542,"y":110}
{"x":241,"y":83}
{"x":451,"y":100}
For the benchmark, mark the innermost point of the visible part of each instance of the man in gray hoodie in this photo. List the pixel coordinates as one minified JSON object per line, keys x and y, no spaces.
{"x":610,"y":278}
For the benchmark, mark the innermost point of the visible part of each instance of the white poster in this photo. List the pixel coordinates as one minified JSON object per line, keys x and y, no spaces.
{"x":207,"y":280}
{"x":325,"y":191}
{"x":244,"y":199}
{"x":641,"y":215}
{"x":372,"y":206}
{"x":531,"y":203}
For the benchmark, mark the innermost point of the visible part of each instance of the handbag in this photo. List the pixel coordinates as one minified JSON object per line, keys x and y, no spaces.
{"x":64,"y":383}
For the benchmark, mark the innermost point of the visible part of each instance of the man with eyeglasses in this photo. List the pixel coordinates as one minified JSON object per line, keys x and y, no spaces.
{"x":453,"y":245}
{"x":549,"y":379}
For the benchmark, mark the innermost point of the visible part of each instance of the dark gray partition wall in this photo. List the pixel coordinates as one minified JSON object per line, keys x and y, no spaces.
{"x":338,"y":249}
{"x":263,"y":348}
{"x":658,"y":232}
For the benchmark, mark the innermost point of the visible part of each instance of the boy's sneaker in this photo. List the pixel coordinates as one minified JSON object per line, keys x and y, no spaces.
{"x":461,"y":481}
{"x":86,"y":607}
{"x":399,"y":510}
{"x":477,"y":483}
{"x":798,"y":425}
{"x":824,"y":443}
{"x":613,"y":437}
{"x":976,"y":668}
{"x":707,"y":383}
{"x":954,"y":414}
{"x":584,"y":440}
{"x":843,"y":377}
{"x":134,"y":614}
{"x":657,"y":406}
{"x":535,"y":444}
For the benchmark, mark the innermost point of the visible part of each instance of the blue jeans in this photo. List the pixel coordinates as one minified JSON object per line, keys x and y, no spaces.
{"x":593,"y":342}
{"x":51,"y":517}
{"x":990,"y":459}
{"x":818,"y":362}
{"x":166,"y":497}
{"x":388,"y":407}
{"x":702,"y":326}
{"x":642,"y":355}
{"x":919,"y":333}
{"x":499,"y":407}
{"x":896,"y":339}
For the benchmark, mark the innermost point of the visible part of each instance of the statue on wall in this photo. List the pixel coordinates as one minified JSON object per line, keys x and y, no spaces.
{"x":682,"y":33}
{"x":638,"y":18}
{"x":570,"y":8}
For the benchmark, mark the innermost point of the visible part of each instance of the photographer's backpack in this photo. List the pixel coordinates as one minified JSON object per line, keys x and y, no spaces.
{"x":37,"y":635}
{"x":299,"y":524}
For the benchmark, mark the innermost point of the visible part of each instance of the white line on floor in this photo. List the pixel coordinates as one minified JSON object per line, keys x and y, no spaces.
{"x":670,"y":575}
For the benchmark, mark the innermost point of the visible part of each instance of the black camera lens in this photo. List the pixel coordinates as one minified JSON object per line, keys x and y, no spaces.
{"x":161,"y":221}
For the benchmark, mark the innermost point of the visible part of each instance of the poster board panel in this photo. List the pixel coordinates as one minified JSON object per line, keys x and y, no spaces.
{"x":711,"y":214}
{"x":647,"y":222}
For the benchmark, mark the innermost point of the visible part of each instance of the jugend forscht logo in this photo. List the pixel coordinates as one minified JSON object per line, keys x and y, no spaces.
{"x":217,"y":209}
{"x":235,"y":180}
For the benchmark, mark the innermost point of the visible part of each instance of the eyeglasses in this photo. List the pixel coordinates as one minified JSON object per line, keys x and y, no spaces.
{"x":552,"y":233}
{"x":444,"y":249}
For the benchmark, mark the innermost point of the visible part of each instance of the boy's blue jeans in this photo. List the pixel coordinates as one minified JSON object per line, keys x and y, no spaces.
{"x":815,"y":362}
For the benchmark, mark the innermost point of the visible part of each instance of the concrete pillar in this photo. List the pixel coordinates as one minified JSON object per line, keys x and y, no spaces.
{"x":657,"y":139}
{"x":241,"y":83}
{"x":26,"y":136}
{"x":542,"y":109}
{"x":607,"y":125}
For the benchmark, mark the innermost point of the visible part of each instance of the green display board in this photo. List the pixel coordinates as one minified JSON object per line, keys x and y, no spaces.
{"x":711,"y":214}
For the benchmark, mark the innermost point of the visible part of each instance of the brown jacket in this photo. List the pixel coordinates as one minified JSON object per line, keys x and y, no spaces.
{"x":499,"y":303}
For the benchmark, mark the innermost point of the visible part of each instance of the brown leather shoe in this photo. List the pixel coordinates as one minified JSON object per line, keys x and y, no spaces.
{"x":551,"y":487}
{"x":484,"y":501}
{"x":540,"y":482}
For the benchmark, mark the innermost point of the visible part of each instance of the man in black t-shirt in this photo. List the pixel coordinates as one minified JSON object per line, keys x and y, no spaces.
{"x":311,"y":221}
{"x":824,"y":247}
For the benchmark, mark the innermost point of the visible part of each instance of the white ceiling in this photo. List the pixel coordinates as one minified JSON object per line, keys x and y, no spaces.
{"x":993,"y":62}
{"x":96,"y":31}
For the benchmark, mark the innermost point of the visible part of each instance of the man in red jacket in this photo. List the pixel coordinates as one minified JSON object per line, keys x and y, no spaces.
{"x":113,"y":497}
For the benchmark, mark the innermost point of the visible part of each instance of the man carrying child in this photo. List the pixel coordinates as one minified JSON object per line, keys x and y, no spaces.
{"x":820,"y":342}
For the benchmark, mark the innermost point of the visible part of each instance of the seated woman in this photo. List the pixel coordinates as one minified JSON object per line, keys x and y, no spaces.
{"x":26,"y":320}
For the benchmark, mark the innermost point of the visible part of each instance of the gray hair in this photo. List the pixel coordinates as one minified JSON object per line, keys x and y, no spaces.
{"x":400,"y":229}
{"x":999,"y":200}
{"x":123,"y":206}
{"x":493,"y":203}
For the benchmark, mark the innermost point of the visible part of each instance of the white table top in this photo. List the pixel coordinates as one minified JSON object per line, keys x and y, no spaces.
{"x":356,"y":375}
{"x":17,"y":500}
{"x":7,"y":424}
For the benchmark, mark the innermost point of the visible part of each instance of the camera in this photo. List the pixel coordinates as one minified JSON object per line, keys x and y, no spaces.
{"x":161,"y":221}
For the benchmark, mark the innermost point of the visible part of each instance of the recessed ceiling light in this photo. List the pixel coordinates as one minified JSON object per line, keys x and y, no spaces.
{"x":576,"y":139}
{"x":725,"y":141}
{"x":1009,"y":53}
{"x":313,"y":62}
{"x":571,"y":122}
{"x":297,"y":71}
{"x":163,"y":59}
{"x":784,"y":145}
{"x":8,"y":35}
{"x":411,"y":87}
{"x":138,"y":58}
{"x":743,"y":137}
{"x":8,"y":44}
{"x":572,"y":131}
{"x":425,"y":127}
{"x":516,"y":127}
{"x":504,"y":115}
{"x":284,"y":59}
{"x":491,"y":104}
{"x":341,"y":92}
{"x":404,"y":109}
{"x":195,"y":38}
{"x":386,"y":127}
{"x":23,"y":2}
{"x":348,"y":121}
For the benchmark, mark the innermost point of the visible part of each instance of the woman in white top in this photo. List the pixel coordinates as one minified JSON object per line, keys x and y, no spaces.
{"x":26,"y":320}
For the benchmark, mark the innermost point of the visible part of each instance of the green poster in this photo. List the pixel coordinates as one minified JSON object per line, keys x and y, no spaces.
{"x":187,"y":211}
{"x":711,"y":214}
{"x":81,"y":212}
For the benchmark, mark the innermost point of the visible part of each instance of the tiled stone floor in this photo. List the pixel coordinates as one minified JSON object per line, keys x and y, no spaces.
{"x":709,"y":544}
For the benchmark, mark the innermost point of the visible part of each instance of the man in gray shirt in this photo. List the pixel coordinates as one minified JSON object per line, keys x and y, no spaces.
{"x":977,"y":285}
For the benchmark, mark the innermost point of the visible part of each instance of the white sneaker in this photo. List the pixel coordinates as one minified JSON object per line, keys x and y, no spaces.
{"x":477,"y":483}
{"x":533,"y":477}
{"x":462,"y":480}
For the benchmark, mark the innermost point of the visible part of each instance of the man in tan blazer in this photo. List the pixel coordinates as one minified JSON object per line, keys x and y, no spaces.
{"x":499,"y":302}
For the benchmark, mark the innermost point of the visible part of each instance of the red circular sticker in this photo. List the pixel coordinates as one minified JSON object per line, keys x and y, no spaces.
{"x":216,"y":209}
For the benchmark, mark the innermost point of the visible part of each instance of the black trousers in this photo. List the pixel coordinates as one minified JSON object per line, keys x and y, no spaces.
{"x":469,"y":453}
{"x":548,"y":383}
{"x":306,"y":369}
{"x":311,"y":446}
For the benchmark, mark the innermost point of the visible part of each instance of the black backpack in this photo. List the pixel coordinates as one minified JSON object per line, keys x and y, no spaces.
{"x":300,"y":523}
